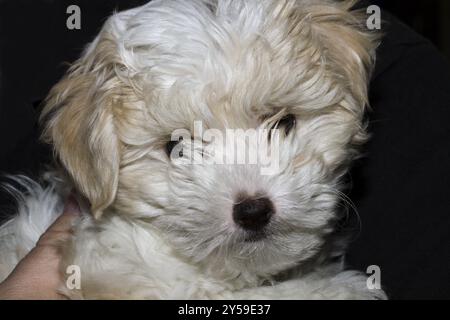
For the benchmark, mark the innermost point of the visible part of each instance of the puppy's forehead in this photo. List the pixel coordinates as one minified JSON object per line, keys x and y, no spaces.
{"x":184,"y":109}
{"x":219,"y":66}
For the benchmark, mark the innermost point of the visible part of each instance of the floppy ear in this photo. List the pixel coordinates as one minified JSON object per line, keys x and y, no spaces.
{"x":79,"y":122}
{"x":348,"y":44}
{"x":337,"y":41}
{"x":346,"y":49}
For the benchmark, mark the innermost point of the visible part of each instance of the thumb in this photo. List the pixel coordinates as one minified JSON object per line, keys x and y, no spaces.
{"x":60,"y":230}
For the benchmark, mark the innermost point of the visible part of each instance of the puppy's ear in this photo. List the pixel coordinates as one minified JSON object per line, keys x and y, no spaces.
{"x":79,"y":122}
{"x":348,"y":46}
{"x":343,"y":46}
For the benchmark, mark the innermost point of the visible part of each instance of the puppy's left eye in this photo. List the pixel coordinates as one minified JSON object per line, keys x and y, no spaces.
{"x":287,"y":123}
{"x":177,"y":145}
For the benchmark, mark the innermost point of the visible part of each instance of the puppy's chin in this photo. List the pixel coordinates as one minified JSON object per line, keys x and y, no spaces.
{"x":250,"y":256}
{"x":255,"y":236}
{"x":257,"y":258}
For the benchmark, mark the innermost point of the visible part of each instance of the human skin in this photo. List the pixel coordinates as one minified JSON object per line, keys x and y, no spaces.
{"x":37,"y":275}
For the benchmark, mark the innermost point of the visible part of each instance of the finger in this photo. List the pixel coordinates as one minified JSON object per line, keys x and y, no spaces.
{"x":70,"y":212}
{"x":61,"y":229}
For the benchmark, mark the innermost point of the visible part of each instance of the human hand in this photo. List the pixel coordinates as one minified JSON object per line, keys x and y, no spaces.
{"x":37,"y":275}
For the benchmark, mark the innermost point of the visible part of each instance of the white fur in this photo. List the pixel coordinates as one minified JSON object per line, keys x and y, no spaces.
{"x":37,"y":208}
{"x":125,"y":260}
{"x":164,"y":230}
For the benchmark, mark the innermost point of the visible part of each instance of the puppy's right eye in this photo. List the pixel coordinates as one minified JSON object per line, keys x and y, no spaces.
{"x":174,"y":148}
{"x":287,"y":123}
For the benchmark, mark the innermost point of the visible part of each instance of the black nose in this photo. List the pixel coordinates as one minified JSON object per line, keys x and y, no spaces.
{"x":253,"y":214}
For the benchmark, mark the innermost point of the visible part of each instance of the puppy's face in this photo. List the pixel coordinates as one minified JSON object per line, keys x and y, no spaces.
{"x":230,"y":67}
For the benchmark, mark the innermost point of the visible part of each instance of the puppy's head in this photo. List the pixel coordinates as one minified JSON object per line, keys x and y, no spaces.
{"x":299,"y":67}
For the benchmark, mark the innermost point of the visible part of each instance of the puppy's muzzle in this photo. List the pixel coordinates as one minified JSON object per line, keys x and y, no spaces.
{"x":253,"y":213}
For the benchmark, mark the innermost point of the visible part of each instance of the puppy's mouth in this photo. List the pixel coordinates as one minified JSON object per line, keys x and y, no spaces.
{"x":255,"y":236}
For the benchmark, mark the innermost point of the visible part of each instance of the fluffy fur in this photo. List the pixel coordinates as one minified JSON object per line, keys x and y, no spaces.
{"x":158,"y":229}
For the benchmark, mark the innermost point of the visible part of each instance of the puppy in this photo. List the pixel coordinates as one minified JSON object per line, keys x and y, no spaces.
{"x":161,"y":228}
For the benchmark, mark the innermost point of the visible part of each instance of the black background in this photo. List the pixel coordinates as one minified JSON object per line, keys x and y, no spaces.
{"x":401,"y":188}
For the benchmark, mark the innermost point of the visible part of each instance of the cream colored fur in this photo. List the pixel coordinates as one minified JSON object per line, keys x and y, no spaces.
{"x":160,"y":230}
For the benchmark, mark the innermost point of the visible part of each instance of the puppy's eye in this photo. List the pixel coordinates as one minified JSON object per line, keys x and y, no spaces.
{"x":171,"y":145}
{"x":287,"y":123}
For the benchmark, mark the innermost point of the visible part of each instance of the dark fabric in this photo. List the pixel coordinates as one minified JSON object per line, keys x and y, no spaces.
{"x":401,"y":187}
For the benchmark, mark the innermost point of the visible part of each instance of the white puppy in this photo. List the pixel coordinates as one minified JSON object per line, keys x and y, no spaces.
{"x":161,"y":228}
